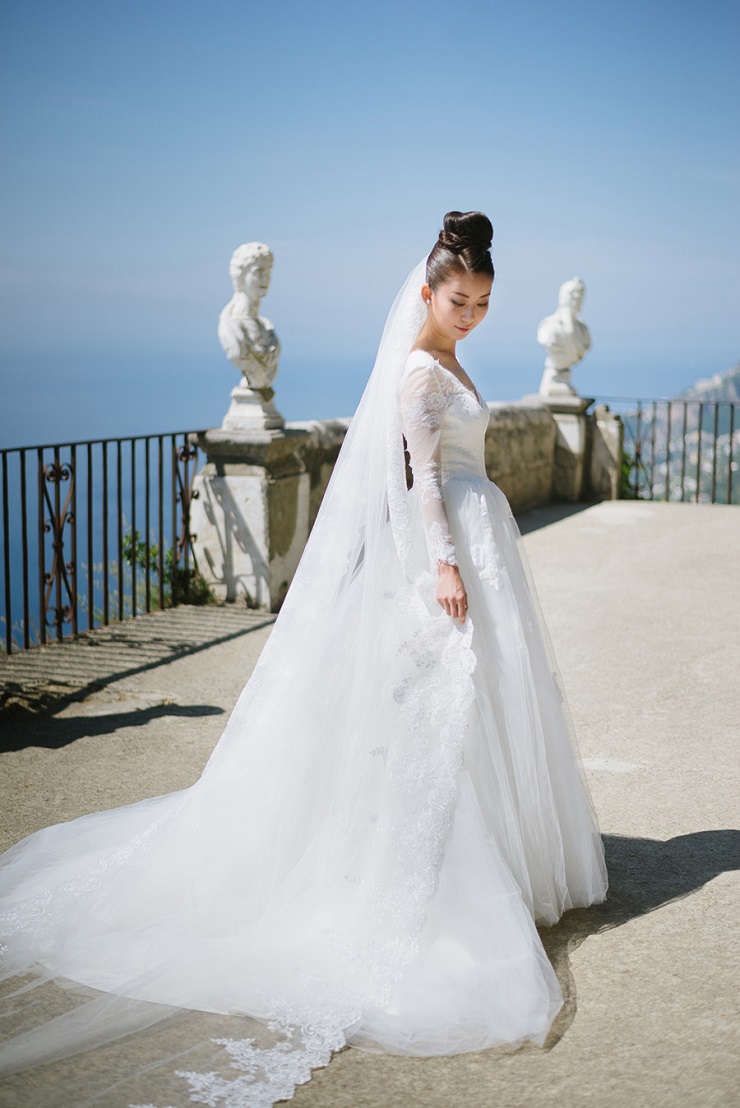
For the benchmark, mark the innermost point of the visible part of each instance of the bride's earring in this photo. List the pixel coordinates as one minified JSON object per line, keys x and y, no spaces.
{"x":429,"y":302}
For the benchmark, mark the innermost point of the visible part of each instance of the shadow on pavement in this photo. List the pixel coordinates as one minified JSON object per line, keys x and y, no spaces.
{"x":535,"y":518}
{"x":644,"y":874}
{"x":31,"y":729}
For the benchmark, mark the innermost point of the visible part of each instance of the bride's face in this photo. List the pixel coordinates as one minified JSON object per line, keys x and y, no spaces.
{"x":459,"y":304}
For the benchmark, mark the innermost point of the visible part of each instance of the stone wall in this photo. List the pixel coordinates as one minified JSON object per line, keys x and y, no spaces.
{"x":259,"y":492}
{"x":537,"y":455}
{"x":520,"y":449}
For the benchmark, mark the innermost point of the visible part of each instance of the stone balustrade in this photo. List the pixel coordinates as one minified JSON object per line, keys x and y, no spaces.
{"x":260,"y":490}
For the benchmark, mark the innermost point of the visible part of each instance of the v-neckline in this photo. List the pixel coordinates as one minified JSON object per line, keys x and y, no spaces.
{"x":475,"y":394}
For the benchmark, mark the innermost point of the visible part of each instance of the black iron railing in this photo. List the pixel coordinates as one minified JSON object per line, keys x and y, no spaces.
{"x":93,"y":532}
{"x":682,"y":449}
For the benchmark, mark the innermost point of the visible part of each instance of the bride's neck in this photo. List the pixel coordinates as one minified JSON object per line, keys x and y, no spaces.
{"x":431,"y":339}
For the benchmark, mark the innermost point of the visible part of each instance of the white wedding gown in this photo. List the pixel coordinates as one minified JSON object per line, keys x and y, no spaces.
{"x":366,"y":855}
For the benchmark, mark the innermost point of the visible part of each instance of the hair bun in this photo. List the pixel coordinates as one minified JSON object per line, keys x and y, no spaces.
{"x":463,"y":246}
{"x":466,"y":230}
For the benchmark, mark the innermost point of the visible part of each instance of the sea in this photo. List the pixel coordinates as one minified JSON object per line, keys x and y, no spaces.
{"x":70,"y":396}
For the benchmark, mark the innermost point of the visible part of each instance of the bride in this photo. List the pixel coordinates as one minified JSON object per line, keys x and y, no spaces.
{"x":395,"y":802}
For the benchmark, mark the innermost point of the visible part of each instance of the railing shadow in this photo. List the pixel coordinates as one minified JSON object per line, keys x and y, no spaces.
{"x":53,"y":733}
{"x":644,"y":875}
{"x":20,"y":701}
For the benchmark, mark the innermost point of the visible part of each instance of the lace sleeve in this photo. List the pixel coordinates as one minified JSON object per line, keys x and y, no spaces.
{"x":423,"y":406}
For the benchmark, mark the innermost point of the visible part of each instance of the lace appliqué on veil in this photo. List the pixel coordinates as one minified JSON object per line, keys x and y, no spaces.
{"x":267,"y":1075}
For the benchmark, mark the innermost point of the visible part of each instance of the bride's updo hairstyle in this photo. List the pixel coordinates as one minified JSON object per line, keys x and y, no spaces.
{"x":463,"y":246}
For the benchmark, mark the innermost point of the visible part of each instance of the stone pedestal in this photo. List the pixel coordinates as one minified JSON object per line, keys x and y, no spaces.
{"x":250,"y":518}
{"x":557,"y":384}
{"x":257,"y":498}
{"x":252,"y":410}
{"x":606,"y":442}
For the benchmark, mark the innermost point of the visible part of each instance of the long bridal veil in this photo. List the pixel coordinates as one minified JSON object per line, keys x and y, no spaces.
{"x":290,"y":883}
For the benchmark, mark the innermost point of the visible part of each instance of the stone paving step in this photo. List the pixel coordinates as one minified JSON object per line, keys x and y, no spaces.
{"x":47,"y":677}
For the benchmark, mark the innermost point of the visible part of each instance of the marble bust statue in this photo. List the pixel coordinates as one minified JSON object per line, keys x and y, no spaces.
{"x":249,"y":339}
{"x":565,"y":338}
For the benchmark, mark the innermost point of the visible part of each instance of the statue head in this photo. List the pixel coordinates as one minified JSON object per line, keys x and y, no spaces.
{"x":250,"y":269}
{"x":571,"y":294}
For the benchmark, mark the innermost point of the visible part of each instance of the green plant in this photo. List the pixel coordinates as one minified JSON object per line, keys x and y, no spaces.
{"x":180,"y":585}
{"x":628,"y":490}
{"x":17,"y":634}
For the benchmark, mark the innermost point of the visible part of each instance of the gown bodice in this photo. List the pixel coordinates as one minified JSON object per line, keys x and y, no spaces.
{"x":445,"y":427}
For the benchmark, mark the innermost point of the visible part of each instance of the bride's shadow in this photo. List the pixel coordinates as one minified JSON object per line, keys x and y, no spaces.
{"x":644,"y":874}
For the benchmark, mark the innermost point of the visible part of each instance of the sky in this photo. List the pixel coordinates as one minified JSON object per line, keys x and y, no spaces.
{"x":143,"y":142}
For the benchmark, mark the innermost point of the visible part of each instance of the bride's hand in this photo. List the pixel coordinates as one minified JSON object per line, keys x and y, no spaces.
{"x":451,"y":591}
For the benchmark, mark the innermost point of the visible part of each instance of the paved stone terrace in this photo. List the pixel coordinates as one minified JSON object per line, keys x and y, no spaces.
{"x":641,"y":600}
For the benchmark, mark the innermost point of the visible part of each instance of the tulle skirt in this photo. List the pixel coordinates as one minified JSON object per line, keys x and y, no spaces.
{"x":524,"y":845}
